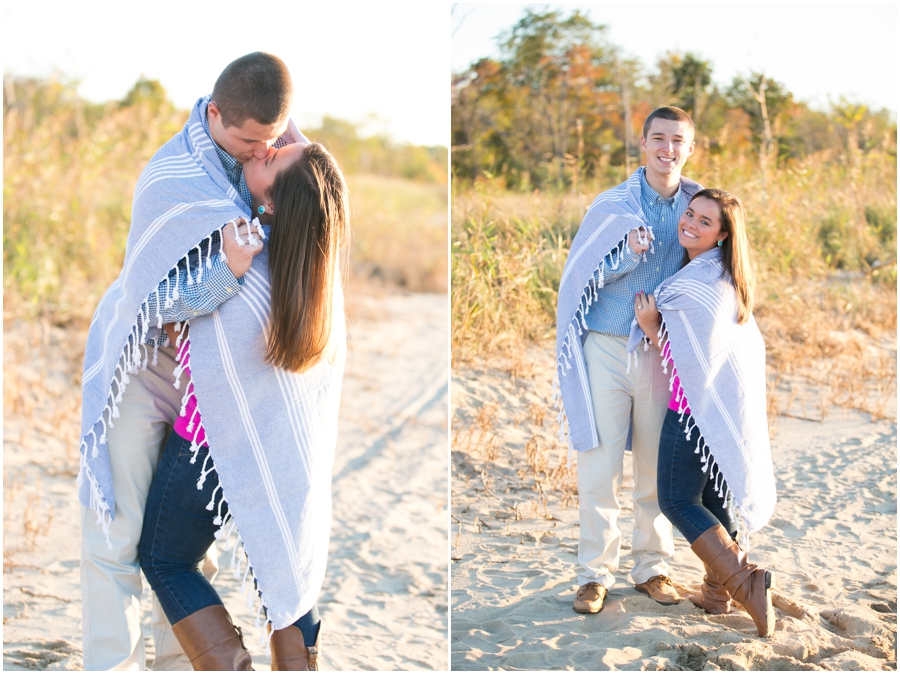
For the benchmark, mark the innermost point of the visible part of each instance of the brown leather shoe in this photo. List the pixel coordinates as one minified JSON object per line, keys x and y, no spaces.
{"x":290,"y":653}
{"x":589,"y":598}
{"x":660,"y":589}
{"x":745,"y":582}
{"x":212,"y":642}
{"x":713,"y":597}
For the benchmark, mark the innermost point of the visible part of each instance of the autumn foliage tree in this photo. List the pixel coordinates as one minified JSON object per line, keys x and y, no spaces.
{"x":547,"y":109}
{"x":562,"y":104}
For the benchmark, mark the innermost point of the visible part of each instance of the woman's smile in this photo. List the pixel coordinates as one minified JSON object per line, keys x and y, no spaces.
{"x":700,"y":227}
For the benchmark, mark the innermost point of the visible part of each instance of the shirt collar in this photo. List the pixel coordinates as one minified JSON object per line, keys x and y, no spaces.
{"x":651,"y":196}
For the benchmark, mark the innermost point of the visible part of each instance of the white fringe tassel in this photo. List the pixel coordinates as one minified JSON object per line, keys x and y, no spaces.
{"x":131,"y":362}
{"x":589,"y":295}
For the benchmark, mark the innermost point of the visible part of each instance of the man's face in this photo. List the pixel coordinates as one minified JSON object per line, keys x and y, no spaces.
{"x":668,"y":144}
{"x":251,"y":139}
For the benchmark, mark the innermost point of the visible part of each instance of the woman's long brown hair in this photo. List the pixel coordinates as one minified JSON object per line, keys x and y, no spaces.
{"x":309,"y":226}
{"x":735,"y":247}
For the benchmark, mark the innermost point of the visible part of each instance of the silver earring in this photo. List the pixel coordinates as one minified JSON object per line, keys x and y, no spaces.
{"x":720,"y":243}
{"x":262,"y":210}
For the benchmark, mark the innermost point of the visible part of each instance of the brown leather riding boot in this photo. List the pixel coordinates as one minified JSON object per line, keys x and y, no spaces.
{"x":713,"y":597}
{"x":290,"y":652}
{"x":745,"y":582}
{"x":212,"y":641}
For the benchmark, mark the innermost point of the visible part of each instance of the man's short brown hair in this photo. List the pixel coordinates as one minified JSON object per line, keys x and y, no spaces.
{"x":257,"y":86}
{"x":669,"y":112}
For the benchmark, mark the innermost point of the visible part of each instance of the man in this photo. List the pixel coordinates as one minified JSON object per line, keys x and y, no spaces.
{"x":245,"y":115}
{"x":627,"y":243}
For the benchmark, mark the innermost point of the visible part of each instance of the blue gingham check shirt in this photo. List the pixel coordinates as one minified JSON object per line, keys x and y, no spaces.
{"x":613,"y":312}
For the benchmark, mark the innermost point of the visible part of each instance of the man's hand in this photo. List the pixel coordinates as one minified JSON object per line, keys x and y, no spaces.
{"x":647,"y":315}
{"x":239,"y":255}
{"x":639,"y":240}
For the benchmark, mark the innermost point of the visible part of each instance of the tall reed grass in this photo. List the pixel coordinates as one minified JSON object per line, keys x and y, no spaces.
{"x":823,"y":233}
{"x":399,"y":232}
{"x":67,"y":187}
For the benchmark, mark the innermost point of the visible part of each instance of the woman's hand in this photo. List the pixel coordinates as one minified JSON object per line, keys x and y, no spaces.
{"x":238,"y":252}
{"x":647,"y":315}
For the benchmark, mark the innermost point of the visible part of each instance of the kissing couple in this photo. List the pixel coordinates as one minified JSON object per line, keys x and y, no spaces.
{"x":211,"y":387}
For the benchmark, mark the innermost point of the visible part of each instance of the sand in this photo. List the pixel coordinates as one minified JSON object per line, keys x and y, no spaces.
{"x":832,"y":544}
{"x":384,"y":603}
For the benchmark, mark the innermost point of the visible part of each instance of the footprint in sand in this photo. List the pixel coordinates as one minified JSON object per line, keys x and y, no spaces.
{"x":789,"y":529}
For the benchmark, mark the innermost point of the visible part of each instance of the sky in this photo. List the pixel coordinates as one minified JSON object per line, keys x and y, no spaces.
{"x":348,"y":60}
{"x":818,"y":51}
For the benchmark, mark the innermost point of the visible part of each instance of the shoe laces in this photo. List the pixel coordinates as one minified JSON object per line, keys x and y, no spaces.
{"x":587,"y":586}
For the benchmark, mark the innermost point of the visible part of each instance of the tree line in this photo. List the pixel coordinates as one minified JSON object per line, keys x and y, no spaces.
{"x":561,"y":105}
{"x":357,"y":152}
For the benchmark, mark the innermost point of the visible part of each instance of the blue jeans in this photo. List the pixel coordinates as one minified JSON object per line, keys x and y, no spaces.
{"x":178,"y":530}
{"x":687,"y":495}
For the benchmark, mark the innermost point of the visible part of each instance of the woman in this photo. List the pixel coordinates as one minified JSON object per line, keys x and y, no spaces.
{"x":301,"y":191}
{"x":715,"y":464}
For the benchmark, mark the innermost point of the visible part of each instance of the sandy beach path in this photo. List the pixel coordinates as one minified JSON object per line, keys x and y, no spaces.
{"x":384,"y":604}
{"x":514,"y":540}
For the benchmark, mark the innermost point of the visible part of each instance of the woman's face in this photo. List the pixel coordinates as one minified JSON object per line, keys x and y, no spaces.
{"x":260,"y":173}
{"x":700,"y":227}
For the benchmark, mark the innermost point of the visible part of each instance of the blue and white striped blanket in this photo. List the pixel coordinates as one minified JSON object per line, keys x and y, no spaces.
{"x":272,"y":433}
{"x":722,"y":368}
{"x":604,"y":230}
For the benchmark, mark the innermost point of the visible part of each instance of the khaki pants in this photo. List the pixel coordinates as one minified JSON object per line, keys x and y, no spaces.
{"x":110,"y":579}
{"x":620,"y":398}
